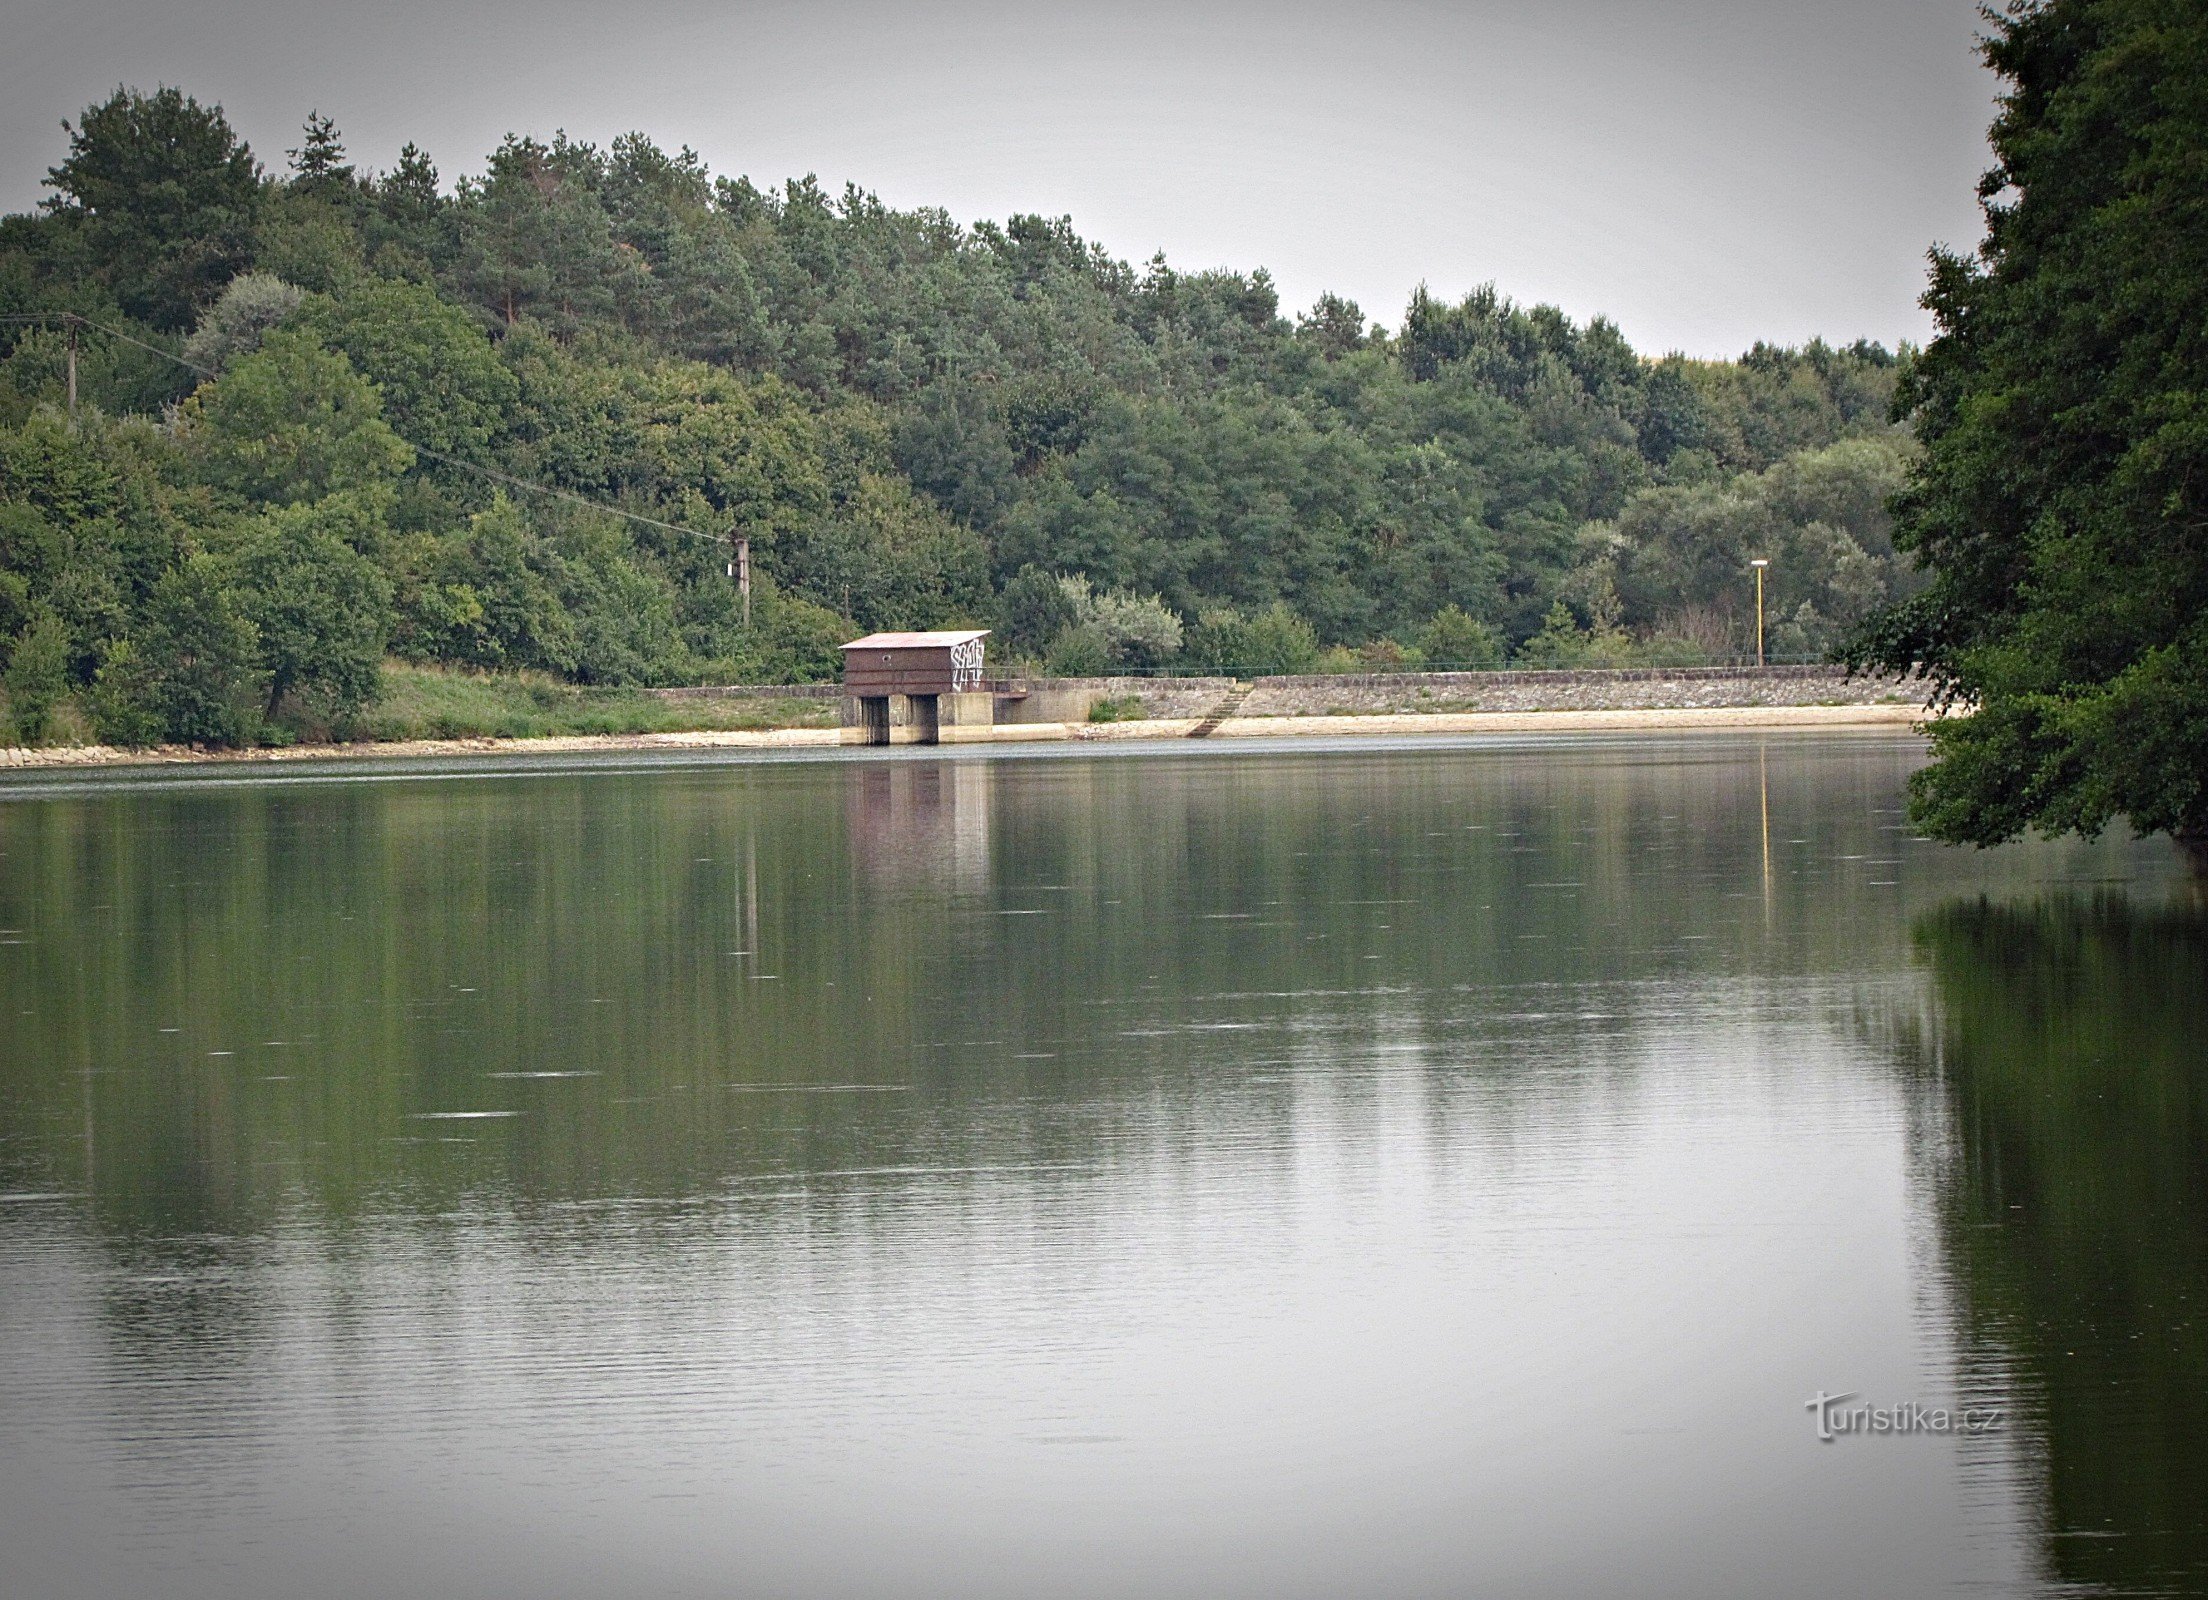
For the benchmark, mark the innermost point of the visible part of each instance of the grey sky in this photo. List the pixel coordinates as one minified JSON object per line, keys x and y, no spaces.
{"x":1707,"y":172}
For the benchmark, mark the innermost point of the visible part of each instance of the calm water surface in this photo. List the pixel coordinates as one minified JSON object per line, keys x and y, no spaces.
{"x":1429,"y":1170}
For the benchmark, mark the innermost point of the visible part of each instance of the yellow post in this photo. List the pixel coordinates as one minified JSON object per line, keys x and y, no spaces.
{"x":1759,"y":565}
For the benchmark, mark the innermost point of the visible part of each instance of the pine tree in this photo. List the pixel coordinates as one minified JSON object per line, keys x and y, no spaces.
{"x":408,"y":192}
{"x":319,"y":164}
{"x":164,"y":195}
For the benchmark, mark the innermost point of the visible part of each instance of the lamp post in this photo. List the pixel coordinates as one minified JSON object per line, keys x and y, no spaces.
{"x":1759,"y":564}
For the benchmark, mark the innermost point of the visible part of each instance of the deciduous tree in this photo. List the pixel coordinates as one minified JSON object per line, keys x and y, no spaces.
{"x":2062,"y":505}
{"x":319,"y":609}
{"x":293,"y":421}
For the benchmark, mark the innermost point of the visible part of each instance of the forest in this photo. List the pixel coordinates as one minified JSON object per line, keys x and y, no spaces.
{"x":330,"y":424}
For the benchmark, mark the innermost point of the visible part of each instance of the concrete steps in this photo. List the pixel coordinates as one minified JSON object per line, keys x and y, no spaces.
{"x":1229,"y":705}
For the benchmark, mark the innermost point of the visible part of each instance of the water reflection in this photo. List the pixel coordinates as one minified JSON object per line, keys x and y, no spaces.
{"x":1384,"y":1170}
{"x":2074,"y":1209}
{"x":917,"y":825}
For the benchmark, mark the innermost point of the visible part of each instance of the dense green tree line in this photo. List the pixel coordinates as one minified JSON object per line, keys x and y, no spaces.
{"x":914,"y":422}
{"x":2062,"y":506}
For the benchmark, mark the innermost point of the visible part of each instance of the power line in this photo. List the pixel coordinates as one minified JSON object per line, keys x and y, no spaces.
{"x":76,"y":319}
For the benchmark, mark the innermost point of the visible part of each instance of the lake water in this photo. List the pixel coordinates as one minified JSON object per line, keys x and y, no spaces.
{"x":1424,"y":1169}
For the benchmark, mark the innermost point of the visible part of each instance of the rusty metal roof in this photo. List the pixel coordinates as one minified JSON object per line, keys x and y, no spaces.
{"x":916,"y":641}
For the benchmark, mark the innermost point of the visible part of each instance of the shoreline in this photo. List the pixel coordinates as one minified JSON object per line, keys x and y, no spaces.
{"x":1637,"y":720}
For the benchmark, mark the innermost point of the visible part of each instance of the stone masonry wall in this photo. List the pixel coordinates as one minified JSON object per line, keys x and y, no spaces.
{"x":1616,"y":690}
{"x":1349,"y":694}
{"x":1069,"y":699}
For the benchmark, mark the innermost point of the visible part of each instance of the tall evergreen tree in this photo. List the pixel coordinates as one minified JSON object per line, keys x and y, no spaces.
{"x":164,"y":196}
{"x":409,"y":190}
{"x":319,"y":164}
{"x":2062,"y":504}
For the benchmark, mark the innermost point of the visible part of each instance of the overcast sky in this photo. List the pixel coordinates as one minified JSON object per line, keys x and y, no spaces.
{"x":1706,"y":172}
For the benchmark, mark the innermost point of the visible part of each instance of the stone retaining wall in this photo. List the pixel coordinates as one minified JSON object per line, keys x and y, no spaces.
{"x":1628,"y":689}
{"x":1401,"y":693}
{"x":1069,"y":699}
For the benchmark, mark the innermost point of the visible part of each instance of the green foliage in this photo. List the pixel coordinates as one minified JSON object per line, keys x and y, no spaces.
{"x":37,"y":677}
{"x":1140,"y":629}
{"x":439,"y":703}
{"x":310,"y":240}
{"x":122,"y":700}
{"x":440,"y":383}
{"x":87,"y":524}
{"x":1747,"y":415}
{"x":1081,"y":630}
{"x":160,"y":196}
{"x":913,"y":422}
{"x":249,"y":306}
{"x":2062,"y":499}
{"x":1453,"y":638}
{"x":1563,"y":643}
{"x":792,"y":641}
{"x":483,"y":598}
{"x":890,"y":559}
{"x":623,"y":617}
{"x":1278,"y":635}
{"x":191,"y":674}
{"x":1679,"y":556}
{"x":1336,"y":326}
{"x":1118,"y":708}
{"x":1080,"y":650}
{"x":319,"y":610}
{"x":676,"y":435}
{"x":319,"y":164}
{"x":1386,"y":655}
{"x":291,"y":422}
{"x":15,"y":598}
{"x":409,"y":204}
{"x":114,"y":375}
{"x":535,"y":236}
{"x":1032,"y":610}
{"x":1274,"y":640}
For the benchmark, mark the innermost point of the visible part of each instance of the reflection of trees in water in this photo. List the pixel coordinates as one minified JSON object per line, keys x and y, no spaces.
{"x":2075,"y":1212}
{"x":385,"y":947}
{"x":1088,"y":965}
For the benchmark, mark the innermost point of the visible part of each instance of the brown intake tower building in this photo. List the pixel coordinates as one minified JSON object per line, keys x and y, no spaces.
{"x":916,"y":688}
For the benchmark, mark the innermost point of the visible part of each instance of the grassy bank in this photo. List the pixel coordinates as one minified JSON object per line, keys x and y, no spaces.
{"x":428,"y":703}
{"x":419,"y":702}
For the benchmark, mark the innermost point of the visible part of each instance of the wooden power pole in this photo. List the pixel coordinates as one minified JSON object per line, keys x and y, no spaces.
{"x":72,"y":370}
{"x":739,"y":568}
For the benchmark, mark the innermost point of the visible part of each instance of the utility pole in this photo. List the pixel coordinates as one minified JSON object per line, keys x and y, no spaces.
{"x":1759,"y":564}
{"x":72,"y":371}
{"x":739,"y":568}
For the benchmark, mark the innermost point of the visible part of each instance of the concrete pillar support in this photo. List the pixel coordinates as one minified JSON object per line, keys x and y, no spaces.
{"x":965,"y":718}
{"x":866,"y":719}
